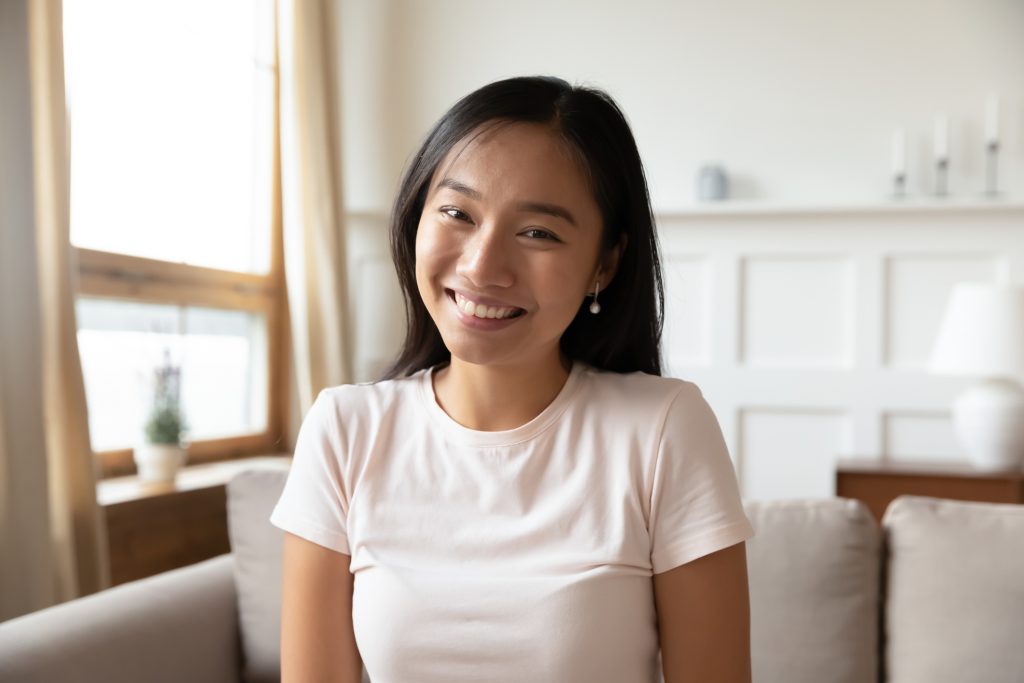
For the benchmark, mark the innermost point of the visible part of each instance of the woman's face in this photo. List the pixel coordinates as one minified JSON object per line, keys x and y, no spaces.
{"x":511,"y":231}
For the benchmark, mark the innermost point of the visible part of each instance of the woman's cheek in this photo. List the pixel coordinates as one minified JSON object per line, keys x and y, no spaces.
{"x":431,"y":245}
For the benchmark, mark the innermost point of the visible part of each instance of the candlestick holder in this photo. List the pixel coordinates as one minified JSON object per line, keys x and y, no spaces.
{"x":991,"y":168}
{"x":899,"y":185}
{"x":941,"y":177}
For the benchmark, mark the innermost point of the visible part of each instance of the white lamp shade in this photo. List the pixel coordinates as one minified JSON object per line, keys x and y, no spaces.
{"x":982,"y":332}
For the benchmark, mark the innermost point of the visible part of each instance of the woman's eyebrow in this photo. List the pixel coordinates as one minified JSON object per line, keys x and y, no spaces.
{"x":532,"y":207}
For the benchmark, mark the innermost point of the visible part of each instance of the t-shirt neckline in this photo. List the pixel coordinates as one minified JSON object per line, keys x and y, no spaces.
{"x":474,"y":437}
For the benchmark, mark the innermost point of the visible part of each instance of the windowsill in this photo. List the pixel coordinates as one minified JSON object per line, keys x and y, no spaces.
{"x":118,"y":490}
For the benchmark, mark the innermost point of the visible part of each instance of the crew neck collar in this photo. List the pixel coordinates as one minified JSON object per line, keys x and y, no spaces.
{"x":474,"y":437}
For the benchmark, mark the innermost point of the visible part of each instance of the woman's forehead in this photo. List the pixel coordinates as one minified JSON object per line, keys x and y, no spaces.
{"x":527,"y":156}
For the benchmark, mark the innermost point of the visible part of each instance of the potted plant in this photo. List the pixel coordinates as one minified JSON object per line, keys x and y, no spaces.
{"x":163,"y":453}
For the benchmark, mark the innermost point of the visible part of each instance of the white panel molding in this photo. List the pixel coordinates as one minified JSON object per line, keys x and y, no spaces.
{"x":869,"y":329}
{"x":916,"y":288}
{"x":790,"y":452}
{"x":726,"y":312}
{"x":688,"y":321}
{"x":921,"y":435}
{"x":890,"y":411}
{"x":788,"y":300}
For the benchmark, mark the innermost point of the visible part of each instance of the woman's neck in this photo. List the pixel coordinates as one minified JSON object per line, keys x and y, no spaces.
{"x":493,"y":398}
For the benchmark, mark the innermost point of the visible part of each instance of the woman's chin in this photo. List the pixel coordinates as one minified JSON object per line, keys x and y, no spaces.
{"x":474,"y":353}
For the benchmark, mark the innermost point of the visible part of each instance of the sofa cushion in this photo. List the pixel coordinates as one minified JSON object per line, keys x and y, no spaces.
{"x":954,"y":591}
{"x":177,"y":626}
{"x":814,"y":585}
{"x":257,"y":547}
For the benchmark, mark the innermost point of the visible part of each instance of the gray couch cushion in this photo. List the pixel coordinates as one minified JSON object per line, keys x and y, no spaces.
{"x":814,"y":577}
{"x":954,"y":591}
{"x":257,"y":547}
{"x":177,"y":626}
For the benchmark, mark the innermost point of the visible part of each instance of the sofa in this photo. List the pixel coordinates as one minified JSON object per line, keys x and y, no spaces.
{"x":935,"y":594}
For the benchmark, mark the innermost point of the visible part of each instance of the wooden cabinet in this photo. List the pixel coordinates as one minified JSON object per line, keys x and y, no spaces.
{"x":878,"y":483}
{"x":152,"y":528}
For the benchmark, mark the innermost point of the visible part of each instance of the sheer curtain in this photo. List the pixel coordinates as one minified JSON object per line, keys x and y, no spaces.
{"x":51,"y":526}
{"x":314,"y":244}
{"x":54,"y":541}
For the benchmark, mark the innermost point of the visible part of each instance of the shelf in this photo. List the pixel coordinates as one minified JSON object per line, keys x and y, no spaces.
{"x":118,"y":490}
{"x":741,"y":208}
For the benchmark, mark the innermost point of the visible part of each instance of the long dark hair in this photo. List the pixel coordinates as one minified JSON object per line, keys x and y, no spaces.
{"x":626,"y":335}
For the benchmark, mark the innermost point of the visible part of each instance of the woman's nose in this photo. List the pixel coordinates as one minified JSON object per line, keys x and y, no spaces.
{"x":486,"y":260}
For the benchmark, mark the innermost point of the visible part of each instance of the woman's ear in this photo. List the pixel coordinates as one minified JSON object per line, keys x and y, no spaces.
{"x":610,"y":263}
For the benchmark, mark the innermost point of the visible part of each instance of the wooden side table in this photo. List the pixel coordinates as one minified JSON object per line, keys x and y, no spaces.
{"x":156,"y":527}
{"x":877,"y":483}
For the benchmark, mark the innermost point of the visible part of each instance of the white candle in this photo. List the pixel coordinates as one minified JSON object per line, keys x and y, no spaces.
{"x":992,"y":120}
{"x":941,"y":137}
{"x":899,"y":152}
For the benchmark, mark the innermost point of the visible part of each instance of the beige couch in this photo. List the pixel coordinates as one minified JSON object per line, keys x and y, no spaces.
{"x":936,"y":595}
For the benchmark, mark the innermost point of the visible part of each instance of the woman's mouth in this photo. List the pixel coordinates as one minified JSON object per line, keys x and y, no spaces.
{"x":482,"y":312}
{"x":483,"y":318}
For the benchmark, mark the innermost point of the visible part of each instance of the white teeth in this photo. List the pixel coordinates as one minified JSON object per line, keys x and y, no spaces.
{"x":481,"y":311}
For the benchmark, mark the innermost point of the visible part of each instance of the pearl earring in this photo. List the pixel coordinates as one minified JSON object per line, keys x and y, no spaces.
{"x":595,"y":307}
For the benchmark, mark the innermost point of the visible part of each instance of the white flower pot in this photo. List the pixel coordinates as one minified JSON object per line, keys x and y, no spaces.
{"x":158,"y":462}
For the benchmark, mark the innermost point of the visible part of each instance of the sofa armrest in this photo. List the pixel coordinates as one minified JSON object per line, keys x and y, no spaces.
{"x":181,"y":625}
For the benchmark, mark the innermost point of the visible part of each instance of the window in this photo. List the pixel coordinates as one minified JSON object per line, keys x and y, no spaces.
{"x":175,"y":219}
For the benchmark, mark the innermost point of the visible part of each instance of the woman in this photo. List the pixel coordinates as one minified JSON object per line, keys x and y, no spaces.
{"x":523,"y":497}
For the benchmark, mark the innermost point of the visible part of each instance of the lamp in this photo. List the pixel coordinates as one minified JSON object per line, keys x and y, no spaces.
{"x":982,"y":335}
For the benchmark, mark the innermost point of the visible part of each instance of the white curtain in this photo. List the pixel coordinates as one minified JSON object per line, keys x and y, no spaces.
{"x":314,"y":244}
{"x":52,"y":531}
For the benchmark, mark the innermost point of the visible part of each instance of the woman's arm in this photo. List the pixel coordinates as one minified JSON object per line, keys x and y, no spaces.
{"x":317,"y":641}
{"x":704,"y":618}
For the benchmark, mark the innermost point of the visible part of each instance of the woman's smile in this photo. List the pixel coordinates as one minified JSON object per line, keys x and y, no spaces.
{"x":483,"y":317}
{"x":483,"y":307}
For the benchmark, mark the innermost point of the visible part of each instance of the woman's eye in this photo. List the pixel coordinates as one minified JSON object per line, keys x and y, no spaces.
{"x":541,"y":234}
{"x":452,"y":212}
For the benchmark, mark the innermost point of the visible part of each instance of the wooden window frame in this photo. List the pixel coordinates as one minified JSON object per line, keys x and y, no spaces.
{"x":121,"y":277}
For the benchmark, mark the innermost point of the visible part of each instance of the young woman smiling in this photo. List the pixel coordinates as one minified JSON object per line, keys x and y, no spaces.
{"x":522,"y":497}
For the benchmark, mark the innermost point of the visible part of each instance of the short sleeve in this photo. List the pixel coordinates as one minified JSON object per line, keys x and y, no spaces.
{"x":314,"y":504}
{"x":696,"y":507}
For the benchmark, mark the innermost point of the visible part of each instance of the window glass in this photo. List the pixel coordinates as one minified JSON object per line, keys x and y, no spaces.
{"x":222,"y":356}
{"x":170,"y":106}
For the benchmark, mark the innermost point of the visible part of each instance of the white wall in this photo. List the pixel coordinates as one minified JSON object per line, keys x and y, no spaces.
{"x":797,"y":98}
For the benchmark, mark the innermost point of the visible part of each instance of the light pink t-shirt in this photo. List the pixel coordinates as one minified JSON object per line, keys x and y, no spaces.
{"x":519,"y":555}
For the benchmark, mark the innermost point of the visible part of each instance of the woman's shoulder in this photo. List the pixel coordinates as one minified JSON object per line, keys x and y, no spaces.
{"x":648,"y":402}
{"x":371,"y":398}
